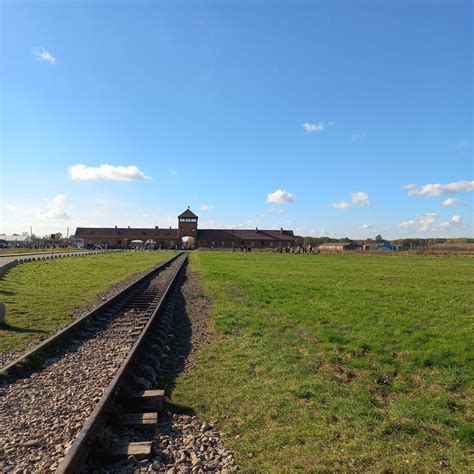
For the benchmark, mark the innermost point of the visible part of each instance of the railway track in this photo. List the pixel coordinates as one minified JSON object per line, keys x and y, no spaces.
{"x":51,"y":416}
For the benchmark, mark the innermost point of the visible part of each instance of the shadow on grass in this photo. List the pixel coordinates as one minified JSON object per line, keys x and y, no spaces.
{"x":8,"y":327}
{"x":6,"y":293}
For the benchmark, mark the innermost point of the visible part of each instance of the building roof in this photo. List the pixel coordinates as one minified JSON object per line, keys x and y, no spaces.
{"x":15,"y":237}
{"x":335,"y":244}
{"x":239,"y":234}
{"x":188,"y":213}
{"x":125,"y":232}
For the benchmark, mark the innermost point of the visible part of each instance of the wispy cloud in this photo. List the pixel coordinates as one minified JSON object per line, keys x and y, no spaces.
{"x":275,"y":210}
{"x":206,"y":207}
{"x":42,"y":54}
{"x":54,"y":215}
{"x":58,"y":200}
{"x":173,"y":172}
{"x":10,"y":207}
{"x":428,"y":222}
{"x":358,"y":199}
{"x":406,"y":224}
{"x":454,"y":221}
{"x":357,"y":137}
{"x":464,"y":145}
{"x":450,"y":202}
{"x":366,"y":226}
{"x":314,"y":127}
{"x":81,"y":172}
{"x":280,"y":196}
{"x":435,"y":190}
{"x":243,"y":225}
{"x":55,"y":209}
{"x":341,"y":205}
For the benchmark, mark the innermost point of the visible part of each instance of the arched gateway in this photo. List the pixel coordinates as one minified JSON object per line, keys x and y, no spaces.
{"x":188,"y":227}
{"x":187,"y":235}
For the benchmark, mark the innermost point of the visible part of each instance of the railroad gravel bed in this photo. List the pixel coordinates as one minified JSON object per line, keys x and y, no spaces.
{"x":183,"y":443}
{"x":8,"y":356}
{"x":43,"y":413}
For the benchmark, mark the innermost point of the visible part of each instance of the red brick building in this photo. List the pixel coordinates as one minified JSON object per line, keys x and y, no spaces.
{"x":120,"y":237}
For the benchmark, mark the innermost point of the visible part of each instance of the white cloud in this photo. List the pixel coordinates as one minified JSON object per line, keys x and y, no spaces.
{"x":280,"y":196}
{"x":406,"y":224}
{"x":426,"y":221}
{"x":55,"y":210}
{"x":173,"y":172}
{"x":450,"y":202}
{"x":340,"y":205}
{"x":243,"y":225}
{"x":314,"y":127}
{"x":81,"y":172}
{"x":54,"y":215}
{"x":42,"y":54}
{"x":454,"y":221}
{"x":435,"y":190}
{"x":58,"y":200}
{"x":360,"y":199}
{"x":365,"y":226}
{"x":10,"y":207}
{"x":206,"y":207}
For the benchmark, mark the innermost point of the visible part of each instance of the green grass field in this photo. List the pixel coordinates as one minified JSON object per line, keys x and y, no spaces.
{"x":40,"y":296}
{"x":337,"y":363}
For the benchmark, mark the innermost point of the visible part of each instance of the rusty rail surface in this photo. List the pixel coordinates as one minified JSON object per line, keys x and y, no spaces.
{"x":69,"y":330}
{"x":79,"y":451}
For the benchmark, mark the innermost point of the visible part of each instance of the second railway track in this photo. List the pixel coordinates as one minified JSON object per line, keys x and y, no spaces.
{"x":43,"y":411}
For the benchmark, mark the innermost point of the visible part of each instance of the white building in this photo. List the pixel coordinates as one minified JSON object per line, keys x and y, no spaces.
{"x":16,"y":240}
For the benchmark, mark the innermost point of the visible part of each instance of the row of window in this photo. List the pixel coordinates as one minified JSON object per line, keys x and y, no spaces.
{"x":213,"y":243}
{"x":188,"y":219}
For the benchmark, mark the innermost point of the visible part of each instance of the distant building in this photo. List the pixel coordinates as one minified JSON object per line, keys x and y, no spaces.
{"x":337,"y":246}
{"x":16,"y":240}
{"x":187,"y":234}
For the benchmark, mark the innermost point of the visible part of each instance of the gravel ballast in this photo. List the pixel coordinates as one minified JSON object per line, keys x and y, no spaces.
{"x":43,"y":412}
{"x":181,"y":443}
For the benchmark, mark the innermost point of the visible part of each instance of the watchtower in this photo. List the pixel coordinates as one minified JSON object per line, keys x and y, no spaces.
{"x":187,"y":226}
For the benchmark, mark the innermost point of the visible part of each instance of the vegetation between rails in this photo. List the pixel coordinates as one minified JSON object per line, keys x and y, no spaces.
{"x":40,"y":296}
{"x":332,"y":362}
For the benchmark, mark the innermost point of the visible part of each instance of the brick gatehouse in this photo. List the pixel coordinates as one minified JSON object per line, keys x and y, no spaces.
{"x":186,"y":235}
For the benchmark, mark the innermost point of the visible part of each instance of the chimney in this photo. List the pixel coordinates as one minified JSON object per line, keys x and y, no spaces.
{"x":129,"y":227}
{"x":170,"y":227}
{"x":115,"y":226}
{"x":281,"y":230}
{"x":156,"y":227}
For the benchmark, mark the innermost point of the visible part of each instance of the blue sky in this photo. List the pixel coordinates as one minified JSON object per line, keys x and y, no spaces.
{"x":335,"y":118}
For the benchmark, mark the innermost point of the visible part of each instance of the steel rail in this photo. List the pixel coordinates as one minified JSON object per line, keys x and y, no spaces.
{"x":76,"y":324}
{"x":78,"y":452}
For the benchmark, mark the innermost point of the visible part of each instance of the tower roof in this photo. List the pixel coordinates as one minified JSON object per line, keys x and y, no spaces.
{"x":188,"y":213}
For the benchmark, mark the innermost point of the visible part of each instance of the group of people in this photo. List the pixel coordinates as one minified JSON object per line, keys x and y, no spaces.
{"x":299,"y":249}
{"x":243,"y":248}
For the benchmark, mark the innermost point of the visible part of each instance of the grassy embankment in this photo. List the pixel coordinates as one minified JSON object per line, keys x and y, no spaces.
{"x":331,"y":362}
{"x":40,"y":296}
